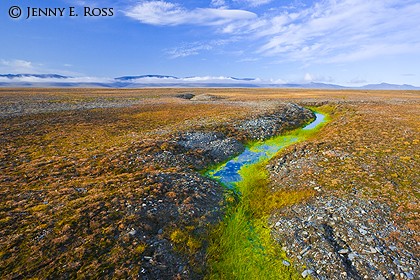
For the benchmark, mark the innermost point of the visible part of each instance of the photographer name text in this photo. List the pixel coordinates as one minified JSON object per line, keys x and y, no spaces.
{"x":36,"y":12}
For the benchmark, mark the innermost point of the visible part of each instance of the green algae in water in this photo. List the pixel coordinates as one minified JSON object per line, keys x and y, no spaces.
{"x":228,"y":173}
{"x":241,"y":246}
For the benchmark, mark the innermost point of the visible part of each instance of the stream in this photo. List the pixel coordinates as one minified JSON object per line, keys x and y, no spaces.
{"x":228,"y":173}
{"x":243,"y":247}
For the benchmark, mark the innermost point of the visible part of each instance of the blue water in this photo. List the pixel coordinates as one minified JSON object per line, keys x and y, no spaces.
{"x":319,"y":118}
{"x":228,"y":174}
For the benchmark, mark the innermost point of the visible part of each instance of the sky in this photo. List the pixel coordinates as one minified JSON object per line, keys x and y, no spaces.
{"x":345,"y":42}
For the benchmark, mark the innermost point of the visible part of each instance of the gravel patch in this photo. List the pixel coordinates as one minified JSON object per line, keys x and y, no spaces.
{"x":205,"y":97}
{"x":346,"y":238}
{"x":14,"y":108}
{"x":214,"y":145}
{"x":184,"y":199}
{"x":288,"y":116}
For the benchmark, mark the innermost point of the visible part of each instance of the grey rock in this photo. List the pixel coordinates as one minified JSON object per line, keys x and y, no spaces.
{"x":214,"y":144}
{"x":304,"y":251}
{"x":362,"y":231}
{"x":286,"y":263}
{"x":307,"y":272}
{"x":409,"y":275}
{"x":352,"y":256}
{"x":393,"y":248}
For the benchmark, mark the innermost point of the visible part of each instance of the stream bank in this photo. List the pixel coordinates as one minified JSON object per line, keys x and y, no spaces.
{"x":192,"y":201}
{"x":356,"y":226}
{"x":241,"y":246}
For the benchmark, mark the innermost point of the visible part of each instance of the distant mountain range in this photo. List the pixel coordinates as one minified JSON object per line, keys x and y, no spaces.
{"x":390,"y":86}
{"x":55,"y":80}
{"x":134,"y":78}
{"x":40,"y":76}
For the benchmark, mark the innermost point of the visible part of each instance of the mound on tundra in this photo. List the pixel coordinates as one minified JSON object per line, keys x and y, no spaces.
{"x":286,"y":117}
{"x":205,"y":97}
{"x":214,"y":145}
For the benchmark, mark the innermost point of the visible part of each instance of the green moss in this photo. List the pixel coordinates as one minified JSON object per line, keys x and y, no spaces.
{"x":241,"y":246}
{"x":178,"y":236}
{"x":39,"y":208}
{"x":140,"y":249}
{"x":186,"y":241}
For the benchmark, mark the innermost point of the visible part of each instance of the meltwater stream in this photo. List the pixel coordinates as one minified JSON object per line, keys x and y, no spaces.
{"x":228,"y":173}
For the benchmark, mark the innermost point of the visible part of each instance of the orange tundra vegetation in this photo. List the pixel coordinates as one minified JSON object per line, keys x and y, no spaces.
{"x":81,"y":175}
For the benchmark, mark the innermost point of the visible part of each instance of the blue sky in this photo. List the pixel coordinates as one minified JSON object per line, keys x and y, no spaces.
{"x":346,"y":42}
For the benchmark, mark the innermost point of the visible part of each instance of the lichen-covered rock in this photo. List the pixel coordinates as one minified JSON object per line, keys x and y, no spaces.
{"x":214,"y":145}
{"x":286,"y":117}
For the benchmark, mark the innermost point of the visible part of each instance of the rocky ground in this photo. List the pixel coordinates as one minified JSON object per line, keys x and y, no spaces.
{"x":346,"y":238}
{"x":362,"y":222}
{"x":88,"y":193}
{"x":202,"y":197}
{"x":16,"y":105}
{"x":107,"y":185}
{"x":275,"y":123}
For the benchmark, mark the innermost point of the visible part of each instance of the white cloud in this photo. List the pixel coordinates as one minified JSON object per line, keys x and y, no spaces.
{"x":20,"y":66}
{"x":196,"y":80}
{"x":247,"y":3}
{"x":342,"y":31}
{"x":38,"y":79}
{"x":254,"y":3}
{"x":218,"y":3}
{"x":310,"y":77}
{"x":208,"y":79}
{"x":188,"y":50}
{"x":328,"y":31}
{"x":16,"y":65}
{"x":166,"y":13}
{"x":195,"y":48}
{"x":248,"y":59}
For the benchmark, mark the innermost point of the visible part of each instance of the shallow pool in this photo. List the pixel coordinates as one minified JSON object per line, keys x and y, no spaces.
{"x":228,"y":173}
